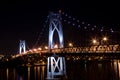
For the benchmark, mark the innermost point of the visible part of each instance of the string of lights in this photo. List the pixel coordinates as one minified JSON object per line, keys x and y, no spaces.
{"x":70,"y":20}
{"x":82,"y":24}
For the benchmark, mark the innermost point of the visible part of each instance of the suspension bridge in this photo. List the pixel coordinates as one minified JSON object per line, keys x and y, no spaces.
{"x":57,"y":44}
{"x":59,"y":50}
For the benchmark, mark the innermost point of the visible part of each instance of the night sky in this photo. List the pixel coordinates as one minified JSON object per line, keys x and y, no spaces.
{"x":25,"y":19}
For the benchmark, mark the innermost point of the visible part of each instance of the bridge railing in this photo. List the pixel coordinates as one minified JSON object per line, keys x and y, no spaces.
{"x":91,"y":49}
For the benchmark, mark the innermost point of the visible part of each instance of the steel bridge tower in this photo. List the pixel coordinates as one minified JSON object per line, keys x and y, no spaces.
{"x":22,"y":46}
{"x":55,"y":27}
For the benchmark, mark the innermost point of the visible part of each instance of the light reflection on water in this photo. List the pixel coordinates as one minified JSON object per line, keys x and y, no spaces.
{"x":23,"y":73}
{"x":28,"y":73}
{"x":7,"y":73}
{"x":82,"y":70}
{"x":116,"y":65}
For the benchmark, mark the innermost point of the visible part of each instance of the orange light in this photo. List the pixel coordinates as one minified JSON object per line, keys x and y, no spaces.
{"x":46,"y":47}
{"x":105,"y":38}
{"x":70,"y":44}
{"x":34,"y":49}
{"x":94,"y":41}
{"x":56,"y":46}
{"x":40,"y":49}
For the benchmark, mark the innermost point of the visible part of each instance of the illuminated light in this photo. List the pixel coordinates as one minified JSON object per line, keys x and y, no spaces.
{"x":83,"y":22}
{"x":95,"y":26}
{"x":105,"y":39}
{"x":30,"y":50}
{"x":69,"y":17}
{"x":64,"y":20}
{"x":70,"y":45}
{"x":25,"y":52}
{"x":56,"y":46}
{"x":94,"y":41}
{"x":46,"y":47}
{"x":55,"y":25}
{"x":17,"y":55}
{"x":34,"y":49}
{"x":73,"y":18}
{"x":92,"y":28}
{"x":53,"y":64}
{"x":7,"y":73}
{"x":68,"y":22}
{"x":111,"y":30}
{"x":78,"y":21}
{"x":88,"y":24}
{"x":7,"y":59}
{"x":73,"y":24}
{"x":40,"y":49}
{"x":66,"y":15}
{"x":85,"y":27}
{"x":78,"y":25}
{"x":13,"y":56}
{"x":60,"y":11}
{"x":101,"y":30}
{"x":22,"y":46}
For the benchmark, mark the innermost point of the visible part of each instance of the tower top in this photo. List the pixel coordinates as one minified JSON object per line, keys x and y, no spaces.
{"x":53,"y":15}
{"x":55,"y":27}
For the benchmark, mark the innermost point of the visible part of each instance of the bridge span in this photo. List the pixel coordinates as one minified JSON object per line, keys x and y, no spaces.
{"x":90,"y":49}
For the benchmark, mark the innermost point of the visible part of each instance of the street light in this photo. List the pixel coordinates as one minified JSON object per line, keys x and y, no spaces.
{"x":40,"y":48}
{"x":94,"y":41}
{"x":105,"y":39}
{"x":35,"y":50}
{"x":56,"y":46}
{"x":70,"y":45}
{"x":46,"y":47}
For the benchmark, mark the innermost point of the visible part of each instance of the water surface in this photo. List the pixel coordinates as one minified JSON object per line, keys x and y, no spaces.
{"x":75,"y":70}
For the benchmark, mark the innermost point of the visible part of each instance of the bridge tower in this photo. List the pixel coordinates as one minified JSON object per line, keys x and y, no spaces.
{"x":55,"y":27}
{"x":56,"y":67}
{"x":22,"y":46}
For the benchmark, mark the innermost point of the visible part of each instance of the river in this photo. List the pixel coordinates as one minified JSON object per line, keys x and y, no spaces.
{"x":75,"y":70}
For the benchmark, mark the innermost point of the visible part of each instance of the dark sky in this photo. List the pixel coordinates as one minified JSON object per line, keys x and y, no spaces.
{"x":24,"y":19}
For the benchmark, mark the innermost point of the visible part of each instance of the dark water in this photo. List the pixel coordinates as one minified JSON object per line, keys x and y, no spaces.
{"x":78,"y":70}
